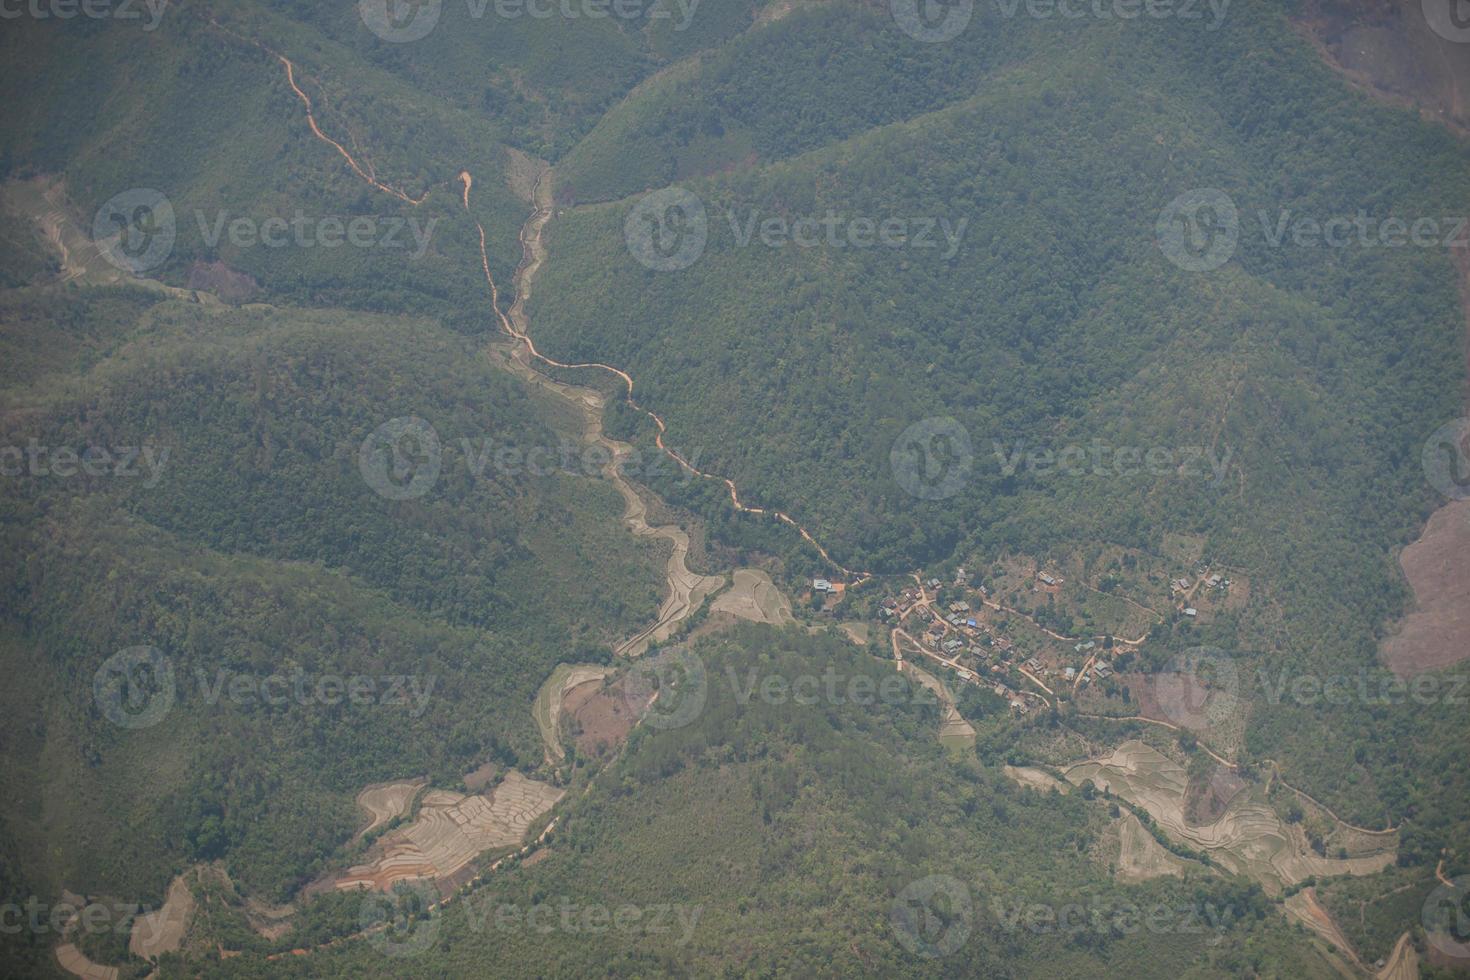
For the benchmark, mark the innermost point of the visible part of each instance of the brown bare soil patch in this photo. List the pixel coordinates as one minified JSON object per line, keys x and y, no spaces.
{"x":1437,"y":633}
{"x":1389,"y":50}
{"x":163,"y":931}
{"x":230,"y":285}
{"x":481,"y":777}
{"x":754,"y":596}
{"x":601,"y":717}
{"x":1038,"y":779}
{"x":1208,"y":799}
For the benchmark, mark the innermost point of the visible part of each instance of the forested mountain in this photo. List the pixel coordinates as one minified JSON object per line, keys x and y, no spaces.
{"x":934,"y":297}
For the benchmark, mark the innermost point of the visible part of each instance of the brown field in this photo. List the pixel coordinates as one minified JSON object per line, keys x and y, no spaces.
{"x":754,"y":596}
{"x":163,"y":931}
{"x":451,"y":830}
{"x":953,"y":728}
{"x":600,"y":717}
{"x":1437,"y":633}
{"x":73,"y":962}
{"x":1249,"y":838}
{"x":1140,"y":857}
{"x":1038,"y":779}
{"x":383,"y":802}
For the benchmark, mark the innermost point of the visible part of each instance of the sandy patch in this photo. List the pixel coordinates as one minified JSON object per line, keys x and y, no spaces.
{"x":754,"y":596}
{"x":452,"y":829}
{"x":1437,"y":633}
{"x":1035,"y":778}
{"x":163,"y":931}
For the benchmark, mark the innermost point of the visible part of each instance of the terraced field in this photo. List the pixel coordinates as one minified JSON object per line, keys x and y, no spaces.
{"x":1248,"y":838}
{"x":452,"y":829}
{"x":548,"y":705}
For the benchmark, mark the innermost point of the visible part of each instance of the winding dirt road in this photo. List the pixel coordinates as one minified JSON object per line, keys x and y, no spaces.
{"x":687,"y":589}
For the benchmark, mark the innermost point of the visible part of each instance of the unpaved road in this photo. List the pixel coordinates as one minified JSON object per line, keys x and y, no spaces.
{"x":686,"y":589}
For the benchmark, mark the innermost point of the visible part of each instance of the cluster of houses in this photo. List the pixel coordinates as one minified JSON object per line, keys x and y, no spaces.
{"x":959,"y":630}
{"x":1184,"y":590}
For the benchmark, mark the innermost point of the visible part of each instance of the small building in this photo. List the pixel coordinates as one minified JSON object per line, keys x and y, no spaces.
{"x":1070,"y":673}
{"x":1083,"y":647}
{"x":972,"y":624}
{"x":821,"y":585}
{"x":1033,"y":664}
{"x":1102,"y":670}
{"x":1191,"y":612}
{"x":1180,"y":585}
{"x":1046,"y":579}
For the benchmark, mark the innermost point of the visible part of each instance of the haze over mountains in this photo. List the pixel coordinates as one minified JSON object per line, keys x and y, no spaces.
{"x":391,"y":393}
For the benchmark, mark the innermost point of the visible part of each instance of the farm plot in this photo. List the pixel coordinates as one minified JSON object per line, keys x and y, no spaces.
{"x":163,"y":931}
{"x":452,"y":829}
{"x":1248,"y":838}
{"x":754,"y":596}
{"x":1140,"y":857}
{"x":548,"y":705}
{"x":383,"y":802}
